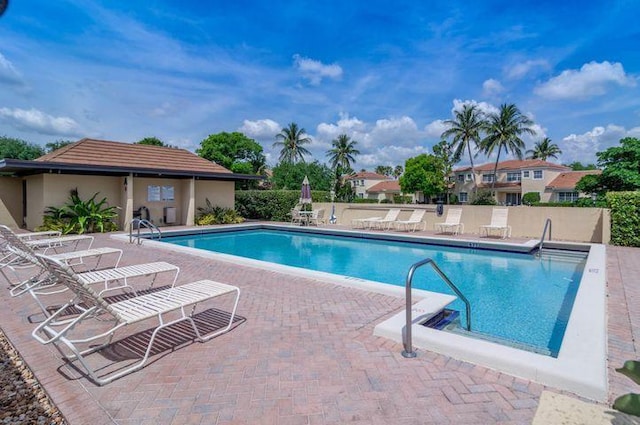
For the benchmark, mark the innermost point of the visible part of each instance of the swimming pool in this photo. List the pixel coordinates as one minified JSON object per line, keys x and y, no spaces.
{"x":580,"y":365}
{"x":515,"y":298}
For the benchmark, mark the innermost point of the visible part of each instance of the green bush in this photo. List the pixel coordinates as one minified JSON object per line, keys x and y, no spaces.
{"x":530,"y":198}
{"x":625,"y":218}
{"x":210,"y":214}
{"x":272,"y":205}
{"x":78,"y":216}
{"x":386,"y":201}
{"x":401,"y":199}
{"x":364,"y":201}
{"x":484,"y":197}
{"x":453,"y":199}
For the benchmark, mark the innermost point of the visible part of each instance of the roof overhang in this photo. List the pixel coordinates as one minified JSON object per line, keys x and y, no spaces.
{"x":19,"y":167}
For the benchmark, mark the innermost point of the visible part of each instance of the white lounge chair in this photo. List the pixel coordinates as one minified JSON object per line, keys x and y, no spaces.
{"x":498,"y":223}
{"x":163,"y":305}
{"x":412,"y":222}
{"x":16,"y":260}
{"x":37,"y":235}
{"x":317,"y":217}
{"x":452,"y":222}
{"x":386,"y":221}
{"x":69,"y":243}
{"x":363,"y":222}
{"x":296,"y":217}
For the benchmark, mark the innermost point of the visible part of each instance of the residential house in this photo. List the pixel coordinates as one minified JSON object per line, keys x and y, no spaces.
{"x":365,"y":180}
{"x":165,"y":185}
{"x":514,"y":178}
{"x":563,"y":187}
{"x":384,"y":190}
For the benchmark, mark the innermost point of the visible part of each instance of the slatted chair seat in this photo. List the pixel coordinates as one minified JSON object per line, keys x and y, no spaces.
{"x":63,"y":241}
{"x":156,"y":305}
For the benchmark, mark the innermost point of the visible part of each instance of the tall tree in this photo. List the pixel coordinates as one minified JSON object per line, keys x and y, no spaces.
{"x":287,"y":175}
{"x":343,"y":152}
{"x":503,"y":130}
{"x":465,"y":129}
{"x":58,"y":144}
{"x":397,"y":171}
{"x":620,"y":171}
{"x":385,"y":170}
{"x":444,"y":151}
{"x":579,"y":166}
{"x":152,"y":141}
{"x":291,"y":140}
{"x":19,"y":149}
{"x":544,"y":149}
{"x":423,"y":173}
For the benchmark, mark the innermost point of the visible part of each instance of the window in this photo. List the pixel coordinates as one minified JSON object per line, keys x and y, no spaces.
{"x":514,"y":177}
{"x":469,"y":177}
{"x":461,"y":178}
{"x":463,"y":197}
{"x":488,"y":178}
{"x":567,"y":196}
{"x":525,"y":174}
{"x":514,"y":199}
{"x":361,"y":182}
{"x":537,"y":174}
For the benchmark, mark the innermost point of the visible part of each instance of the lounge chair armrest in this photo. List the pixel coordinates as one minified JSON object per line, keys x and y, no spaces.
{"x":54,"y":335}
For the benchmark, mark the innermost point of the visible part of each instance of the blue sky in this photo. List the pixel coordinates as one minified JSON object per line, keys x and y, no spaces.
{"x":385,"y":73}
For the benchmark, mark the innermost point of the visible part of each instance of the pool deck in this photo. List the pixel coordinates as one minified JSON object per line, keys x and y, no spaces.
{"x":304,"y":353}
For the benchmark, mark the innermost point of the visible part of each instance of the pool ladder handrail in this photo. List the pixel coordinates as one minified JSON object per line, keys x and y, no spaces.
{"x":547,"y":224}
{"x":142,"y":223}
{"x":408,"y":348}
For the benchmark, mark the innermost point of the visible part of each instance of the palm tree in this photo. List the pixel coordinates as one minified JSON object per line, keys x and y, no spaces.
{"x":544,"y":149}
{"x":503,"y":130}
{"x":343,"y":151}
{"x":292,"y":139}
{"x":397,"y":172}
{"x":465,"y":129}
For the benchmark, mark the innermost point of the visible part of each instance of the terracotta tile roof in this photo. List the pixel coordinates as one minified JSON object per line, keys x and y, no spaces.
{"x":117,"y":154}
{"x":367,"y":175}
{"x":385,"y":186}
{"x":516,"y":164}
{"x":569,"y":179}
{"x":499,"y":185}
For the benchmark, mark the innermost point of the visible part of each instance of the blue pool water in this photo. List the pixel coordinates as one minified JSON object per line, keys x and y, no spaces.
{"x":513,"y":296}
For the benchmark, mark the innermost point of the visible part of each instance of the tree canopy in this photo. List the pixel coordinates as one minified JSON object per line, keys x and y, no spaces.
{"x":385,"y":170}
{"x":620,"y":169}
{"x":579,"y":166}
{"x":290,"y":175}
{"x":544,"y":149}
{"x":19,"y":149}
{"x":234,"y":151}
{"x":58,"y":144}
{"x":343,"y":152}
{"x":291,"y":140}
{"x":153,"y":141}
{"x":424,"y":173}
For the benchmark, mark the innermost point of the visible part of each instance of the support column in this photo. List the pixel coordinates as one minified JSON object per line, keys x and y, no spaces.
{"x":128,"y":200}
{"x":191,"y":206}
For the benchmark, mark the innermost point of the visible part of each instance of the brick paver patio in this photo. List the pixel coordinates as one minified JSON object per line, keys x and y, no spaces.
{"x":304,"y":353}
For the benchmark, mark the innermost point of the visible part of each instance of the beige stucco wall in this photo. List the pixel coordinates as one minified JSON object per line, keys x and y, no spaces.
{"x":11,"y":201}
{"x":569,"y":224}
{"x":35,"y":201}
{"x":156,"y":208}
{"x":220,"y":193}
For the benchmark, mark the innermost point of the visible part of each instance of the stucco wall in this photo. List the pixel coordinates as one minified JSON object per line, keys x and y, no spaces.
{"x":569,"y":224}
{"x":156,"y":208}
{"x":11,"y":201}
{"x":35,"y":201}
{"x":220,"y":193}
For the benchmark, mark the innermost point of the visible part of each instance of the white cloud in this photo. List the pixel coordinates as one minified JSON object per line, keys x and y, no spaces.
{"x":484,"y":107}
{"x":592,"y":79}
{"x":8,"y":73}
{"x":260,"y":129}
{"x":434,"y":129}
{"x":345,"y":125}
{"x":315,"y":71}
{"x":521,"y":69}
{"x":492,"y":87}
{"x":583,"y":147}
{"x":39,"y":122}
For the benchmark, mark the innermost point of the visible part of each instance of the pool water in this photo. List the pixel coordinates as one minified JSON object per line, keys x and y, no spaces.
{"x":513,"y":296}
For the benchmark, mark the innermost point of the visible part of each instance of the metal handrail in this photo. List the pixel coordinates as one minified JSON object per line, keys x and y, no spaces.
{"x":547,"y":224}
{"x":408,"y":349}
{"x":142,"y":223}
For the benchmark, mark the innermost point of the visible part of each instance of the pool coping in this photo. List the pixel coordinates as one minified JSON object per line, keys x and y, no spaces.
{"x":581,"y":363}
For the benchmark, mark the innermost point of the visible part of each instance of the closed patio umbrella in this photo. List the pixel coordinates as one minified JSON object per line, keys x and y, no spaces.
{"x":305,"y":192}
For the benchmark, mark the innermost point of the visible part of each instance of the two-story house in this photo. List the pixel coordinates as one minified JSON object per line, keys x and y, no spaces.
{"x":365,"y":180}
{"x":514,"y":178}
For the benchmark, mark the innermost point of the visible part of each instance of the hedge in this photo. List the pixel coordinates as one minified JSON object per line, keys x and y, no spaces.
{"x":625,"y":218}
{"x":272,"y":205}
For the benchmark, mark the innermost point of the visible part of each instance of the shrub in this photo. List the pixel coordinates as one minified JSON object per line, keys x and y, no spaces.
{"x":272,"y":205}
{"x":210,"y":214}
{"x":530,"y":198}
{"x":625,"y":218}
{"x":484,"y":197}
{"x":365,"y":201}
{"x":401,"y":199}
{"x":453,"y":199}
{"x":78,"y":216}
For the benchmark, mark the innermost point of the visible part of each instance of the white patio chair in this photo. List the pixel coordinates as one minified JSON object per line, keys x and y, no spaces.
{"x":317,"y":217}
{"x":69,"y":243}
{"x":412,"y":222}
{"x":296,"y":217}
{"x":362,"y":223}
{"x":36,"y":235}
{"x":163,"y":305}
{"x":386,"y":222}
{"x":498,"y":223}
{"x":452,"y":223}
